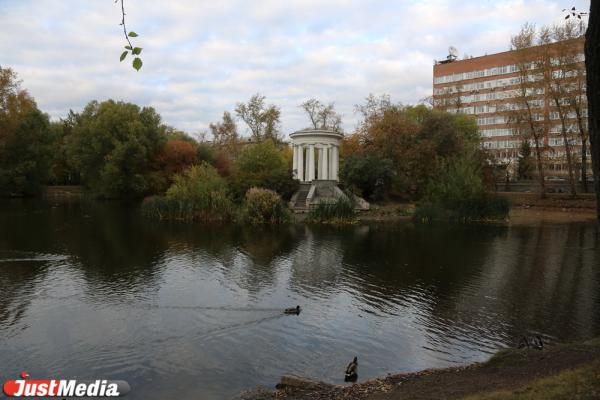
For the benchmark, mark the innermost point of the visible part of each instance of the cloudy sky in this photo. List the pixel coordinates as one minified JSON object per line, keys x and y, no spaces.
{"x":202,"y":57}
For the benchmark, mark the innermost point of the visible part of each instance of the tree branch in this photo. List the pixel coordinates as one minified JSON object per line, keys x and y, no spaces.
{"x":135,"y":51}
{"x":123,"y":22}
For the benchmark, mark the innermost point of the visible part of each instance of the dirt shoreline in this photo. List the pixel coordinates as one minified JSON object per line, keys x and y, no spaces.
{"x":527,"y":209}
{"x":537,"y":215}
{"x":509,"y":371}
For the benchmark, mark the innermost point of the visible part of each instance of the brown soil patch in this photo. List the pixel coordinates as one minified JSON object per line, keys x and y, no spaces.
{"x":535,"y":215}
{"x":552,"y":201}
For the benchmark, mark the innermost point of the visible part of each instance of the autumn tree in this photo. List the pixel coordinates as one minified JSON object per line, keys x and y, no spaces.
{"x":113,"y":145}
{"x":262,"y":119}
{"x":176,"y":156}
{"x":526,"y":111}
{"x":351,"y":145}
{"x":322,"y":116}
{"x":373,"y":108}
{"x":225,"y":132}
{"x":557,"y":57}
{"x":574,"y":95}
{"x":62,"y":171}
{"x":414,"y":139}
{"x":25,"y":140}
{"x":14,"y":103}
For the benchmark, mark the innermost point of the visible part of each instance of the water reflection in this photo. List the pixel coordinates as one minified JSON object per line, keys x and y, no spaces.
{"x":18,"y":281}
{"x":92,"y":289}
{"x":317,"y":261}
{"x":540,"y":277}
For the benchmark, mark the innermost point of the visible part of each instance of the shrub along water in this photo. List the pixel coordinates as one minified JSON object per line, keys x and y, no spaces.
{"x":339,"y":211}
{"x":479,"y":208}
{"x":199,"y":193}
{"x":457,"y":193}
{"x":262,"y":165}
{"x":264,"y":206}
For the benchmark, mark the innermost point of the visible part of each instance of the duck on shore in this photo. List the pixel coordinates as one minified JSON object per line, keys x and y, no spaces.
{"x":292,"y":311}
{"x":532,"y":342}
{"x":352,"y":371}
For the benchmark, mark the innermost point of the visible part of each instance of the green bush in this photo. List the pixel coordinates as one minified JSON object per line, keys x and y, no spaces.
{"x":199,"y":193}
{"x":479,"y":208}
{"x":262,"y":165}
{"x":339,"y":211}
{"x":264,"y":206}
{"x":457,"y":193}
{"x":160,"y":207}
{"x":372,"y":176}
{"x":112,"y":144}
{"x":26,"y":140}
{"x":25,"y":155}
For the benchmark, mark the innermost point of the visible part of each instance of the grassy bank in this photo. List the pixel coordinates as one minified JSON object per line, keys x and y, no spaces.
{"x":527,"y":209}
{"x":564,"y":371}
{"x":577,"y":383}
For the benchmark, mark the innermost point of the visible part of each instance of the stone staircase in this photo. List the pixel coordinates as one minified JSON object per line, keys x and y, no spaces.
{"x":321,"y":191}
{"x":300,"y":203}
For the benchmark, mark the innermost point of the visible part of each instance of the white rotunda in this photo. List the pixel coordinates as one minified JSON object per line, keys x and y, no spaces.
{"x":316,"y":154}
{"x":316,"y":165}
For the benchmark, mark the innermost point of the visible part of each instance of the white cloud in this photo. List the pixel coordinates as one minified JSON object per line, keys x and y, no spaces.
{"x":201,"y":58}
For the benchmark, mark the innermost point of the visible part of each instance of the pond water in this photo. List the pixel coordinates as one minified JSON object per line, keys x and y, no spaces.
{"x":92,"y":290}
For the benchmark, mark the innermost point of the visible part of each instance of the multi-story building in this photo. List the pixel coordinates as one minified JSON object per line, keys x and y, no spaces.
{"x":490,"y":88}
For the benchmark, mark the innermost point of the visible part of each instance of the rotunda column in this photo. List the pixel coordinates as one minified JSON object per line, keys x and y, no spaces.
{"x":325,"y":170}
{"x":300,"y":163}
{"x":295,"y":162}
{"x":335,"y":162}
{"x":311,"y":162}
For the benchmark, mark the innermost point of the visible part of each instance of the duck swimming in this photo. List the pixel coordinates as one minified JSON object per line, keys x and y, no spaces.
{"x":352,"y":371}
{"x":296,"y":310}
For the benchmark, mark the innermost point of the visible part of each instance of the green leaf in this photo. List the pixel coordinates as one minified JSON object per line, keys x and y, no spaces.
{"x":132,"y":34}
{"x":128,"y":47}
{"x":137,"y":63}
{"x":123,"y":55}
{"x":136,"y":51}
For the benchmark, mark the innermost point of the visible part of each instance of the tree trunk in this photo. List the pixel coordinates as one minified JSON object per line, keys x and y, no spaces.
{"x":584,"y":163}
{"x":583,"y":150}
{"x":538,"y":153}
{"x":592,"y":66}
{"x":563,"y":130}
{"x":540,"y":167}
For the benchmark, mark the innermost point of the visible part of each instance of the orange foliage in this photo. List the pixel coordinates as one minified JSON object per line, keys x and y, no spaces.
{"x":223,"y":163}
{"x":176,"y":156}
{"x":351,"y":145}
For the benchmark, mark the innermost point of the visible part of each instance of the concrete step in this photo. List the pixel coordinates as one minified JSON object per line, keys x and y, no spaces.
{"x":301,"y":199}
